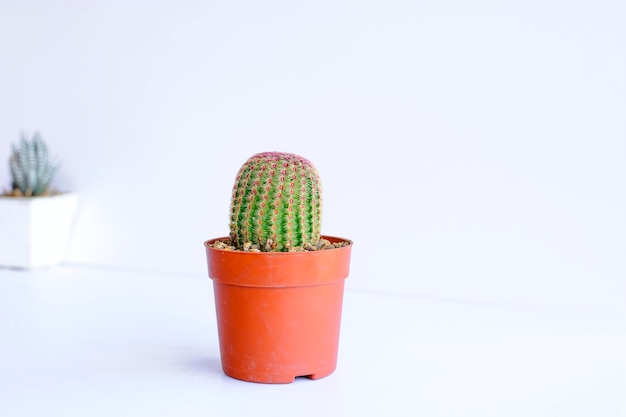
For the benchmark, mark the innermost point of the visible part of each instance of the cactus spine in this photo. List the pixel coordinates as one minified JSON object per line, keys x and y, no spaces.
{"x":276,"y":203}
{"x":31,"y":169}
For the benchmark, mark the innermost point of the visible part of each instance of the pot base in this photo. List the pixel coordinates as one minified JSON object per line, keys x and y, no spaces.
{"x":273,"y":377}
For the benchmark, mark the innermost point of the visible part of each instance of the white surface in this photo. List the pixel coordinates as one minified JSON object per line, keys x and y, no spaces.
{"x":35,"y":232}
{"x":486,"y":139}
{"x":96,"y":342}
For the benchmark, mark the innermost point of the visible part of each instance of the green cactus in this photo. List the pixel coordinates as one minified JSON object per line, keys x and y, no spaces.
{"x":276,"y":204}
{"x":31,"y":169}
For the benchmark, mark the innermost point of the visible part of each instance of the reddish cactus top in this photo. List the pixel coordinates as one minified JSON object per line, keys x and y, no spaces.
{"x":276,"y":203}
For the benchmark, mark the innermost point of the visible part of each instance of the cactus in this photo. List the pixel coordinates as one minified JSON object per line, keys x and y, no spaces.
{"x":31,"y":169}
{"x":276,"y":204}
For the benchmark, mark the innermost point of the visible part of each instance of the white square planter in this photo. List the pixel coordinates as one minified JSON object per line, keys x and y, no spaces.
{"x":35,"y":231}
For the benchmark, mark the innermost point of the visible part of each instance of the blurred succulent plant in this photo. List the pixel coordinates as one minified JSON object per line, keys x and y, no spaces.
{"x":32,"y":170}
{"x":276,"y":204}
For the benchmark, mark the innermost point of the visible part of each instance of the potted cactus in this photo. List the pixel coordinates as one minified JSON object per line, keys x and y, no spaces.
{"x":278,"y":283}
{"x":35,"y":220}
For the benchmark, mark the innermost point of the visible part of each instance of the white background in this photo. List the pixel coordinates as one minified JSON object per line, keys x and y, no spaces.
{"x":470,"y":149}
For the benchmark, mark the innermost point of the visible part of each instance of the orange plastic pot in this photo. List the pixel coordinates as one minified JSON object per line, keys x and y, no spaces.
{"x":278,"y":313}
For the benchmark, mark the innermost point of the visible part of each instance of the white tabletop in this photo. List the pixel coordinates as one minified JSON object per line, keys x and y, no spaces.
{"x":78,"y":341}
